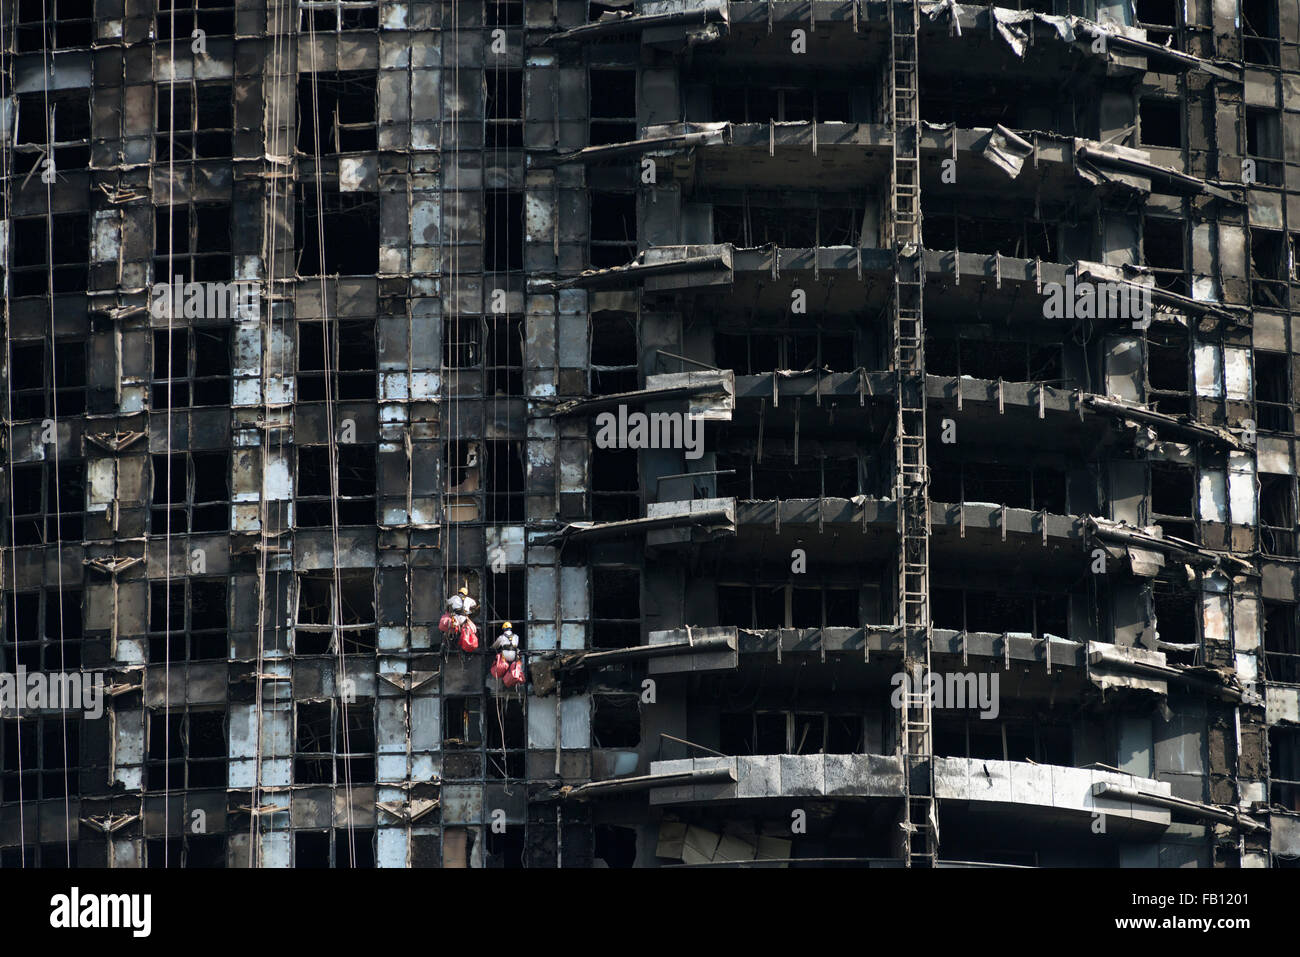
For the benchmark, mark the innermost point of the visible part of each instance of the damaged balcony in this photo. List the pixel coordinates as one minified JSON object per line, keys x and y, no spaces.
{"x":708,"y":157}
{"x":710,"y":394}
{"x":778,"y":776}
{"x":1052,"y":796}
{"x":680,"y":523}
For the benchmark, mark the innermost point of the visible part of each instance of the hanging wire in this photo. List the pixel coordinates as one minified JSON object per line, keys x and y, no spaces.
{"x":329,"y":333}
{"x":54,"y":409}
{"x":5,"y":162}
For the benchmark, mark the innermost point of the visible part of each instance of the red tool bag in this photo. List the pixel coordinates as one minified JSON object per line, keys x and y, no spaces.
{"x":446,"y":623}
{"x":499,"y":667}
{"x":468,"y":636}
{"x":515,"y":676}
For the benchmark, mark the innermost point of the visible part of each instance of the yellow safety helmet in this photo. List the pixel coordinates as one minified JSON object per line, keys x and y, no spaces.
{"x":506,"y":626}
{"x":464,"y":590}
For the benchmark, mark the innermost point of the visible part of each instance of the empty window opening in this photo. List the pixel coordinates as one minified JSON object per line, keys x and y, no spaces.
{"x":1270,"y":262}
{"x":845,"y":734}
{"x":984,"y":358}
{"x":940,"y":230}
{"x":462,"y":345}
{"x":1168,"y":362}
{"x":506,"y":739}
{"x":759,"y":103}
{"x":336,"y":233}
{"x":505,"y":13}
{"x":462,"y":722}
{"x":613,"y":106}
{"x":1157,"y":12}
{"x":504,"y":492}
{"x":503,"y":230}
{"x":186,"y":750}
{"x":793,"y":732}
{"x":784,"y":606}
{"x":1177,"y":610}
{"x":354,"y":503}
{"x":1162,"y":251}
{"x":614,"y":352}
{"x":1015,"y":102}
{"x":336,"y":112}
{"x":194,"y":372}
{"x":463,"y":481}
{"x":334,"y":743}
{"x":60,"y":855}
{"x":505,"y":355}
{"x":1162,"y":243}
{"x":188,"y":850}
{"x":195,"y":120}
{"x":1284,"y":767}
{"x":503,"y":92}
{"x":193,"y":244}
{"x":191,"y":493}
{"x":1037,"y":488}
{"x":1281,"y":642}
{"x":1007,"y":739}
{"x":43,"y":631}
{"x":793,"y":221}
{"x":45,"y":382}
{"x":1259,"y":31}
{"x":817,"y":607}
{"x":616,"y":846}
{"x":1272,"y":391}
{"x":1264,"y":145}
{"x":333,"y":16}
{"x":505,"y":850}
{"x":615,"y":485}
{"x":49,"y":254}
{"x":320,"y":615}
{"x":615,"y":721}
{"x":809,"y":734}
{"x":1277,"y":514}
{"x":40,"y":758}
{"x":55,"y":24}
{"x":747,"y":606}
{"x":216,"y":18}
{"x":505,"y":597}
{"x":1172,"y":490}
{"x":771,"y":734}
{"x":990,"y":236}
{"x":1022,"y":237}
{"x":311,"y":849}
{"x":187,"y":619}
{"x":57,"y":123}
{"x":615,"y":607}
{"x":761,"y":352}
{"x":1161,"y":122}
{"x":613,"y":229}
{"x":1000,"y":612}
{"x":778,"y":476}
{"x":47,"y":504}
{"x":336,"y":360}
{"x":1160,"y":19}
{"x":508,"y":733}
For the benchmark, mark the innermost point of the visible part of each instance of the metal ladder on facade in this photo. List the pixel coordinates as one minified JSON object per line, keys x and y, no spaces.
{"x":920,"y":812}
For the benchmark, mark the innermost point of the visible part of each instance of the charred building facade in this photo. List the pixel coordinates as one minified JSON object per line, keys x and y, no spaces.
{"x":877,"y":420}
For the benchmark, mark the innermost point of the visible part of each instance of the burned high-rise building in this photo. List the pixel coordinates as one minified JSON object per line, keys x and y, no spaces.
{"x":875,"y":420}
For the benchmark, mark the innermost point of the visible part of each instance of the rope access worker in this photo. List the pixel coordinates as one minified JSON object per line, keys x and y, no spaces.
{"x":508,"y":643}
